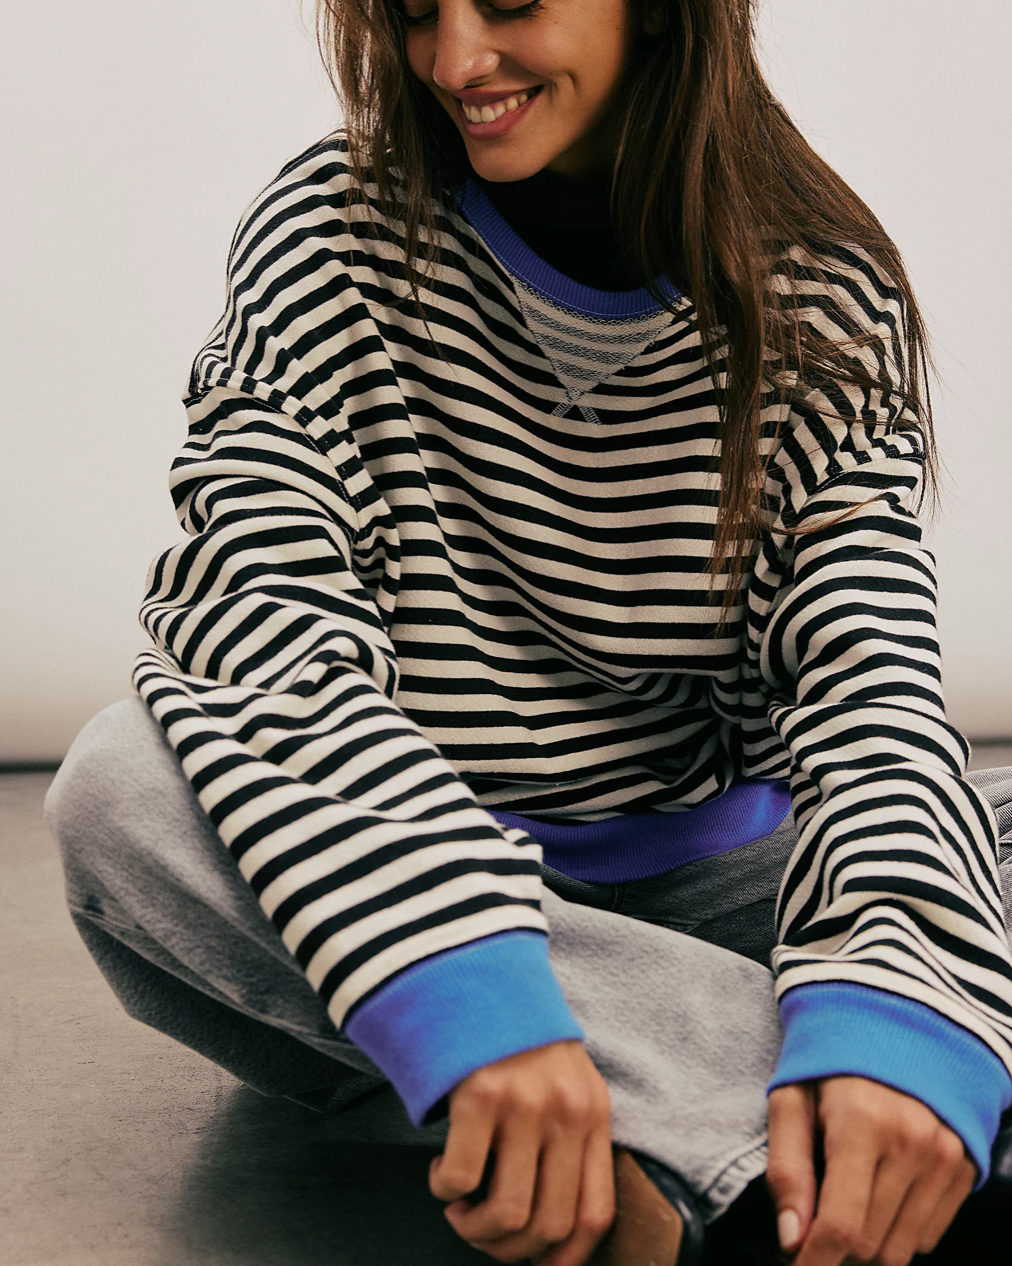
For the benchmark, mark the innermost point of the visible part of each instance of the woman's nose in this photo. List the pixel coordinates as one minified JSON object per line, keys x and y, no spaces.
{"x":464,"y":48}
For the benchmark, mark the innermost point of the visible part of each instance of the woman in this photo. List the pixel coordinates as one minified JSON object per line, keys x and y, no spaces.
{"x":552,"y":477}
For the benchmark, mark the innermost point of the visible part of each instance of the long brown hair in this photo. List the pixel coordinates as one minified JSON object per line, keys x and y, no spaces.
{"x":711,"y":176}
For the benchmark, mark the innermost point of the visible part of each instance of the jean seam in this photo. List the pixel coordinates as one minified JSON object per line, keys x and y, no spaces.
{"x":298,"y":1031}
{"x":102,"y":919}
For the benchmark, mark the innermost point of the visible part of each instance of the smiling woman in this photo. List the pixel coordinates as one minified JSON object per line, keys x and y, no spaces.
{"x":570,"y":73}
{"x":552,"y":486}
{"x":661,"y":109}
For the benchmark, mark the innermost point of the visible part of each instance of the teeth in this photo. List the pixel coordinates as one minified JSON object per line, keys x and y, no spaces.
{"x":489,"y":113}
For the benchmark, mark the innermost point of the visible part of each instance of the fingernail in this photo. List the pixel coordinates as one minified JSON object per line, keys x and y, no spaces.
{"x":789,"y":1229}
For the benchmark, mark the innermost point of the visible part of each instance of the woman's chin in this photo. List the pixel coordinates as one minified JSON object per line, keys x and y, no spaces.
{"x":517,"y":157}
{"x":500,"y":166}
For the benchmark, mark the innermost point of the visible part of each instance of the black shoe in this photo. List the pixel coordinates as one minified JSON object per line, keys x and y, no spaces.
{"x":746,"y":1233}
{"x":1001,"y":1163}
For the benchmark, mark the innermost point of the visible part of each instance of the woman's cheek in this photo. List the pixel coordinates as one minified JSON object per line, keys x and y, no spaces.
{"x":420,"y":47}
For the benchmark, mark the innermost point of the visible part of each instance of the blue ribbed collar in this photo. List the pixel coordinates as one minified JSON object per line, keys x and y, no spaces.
{"x":521,"y":262}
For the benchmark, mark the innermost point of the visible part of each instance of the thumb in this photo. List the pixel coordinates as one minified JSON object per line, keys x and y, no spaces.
{"x":790,"y":1173}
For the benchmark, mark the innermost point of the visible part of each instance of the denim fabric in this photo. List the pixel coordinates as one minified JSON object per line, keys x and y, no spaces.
{"x":728,"y":900}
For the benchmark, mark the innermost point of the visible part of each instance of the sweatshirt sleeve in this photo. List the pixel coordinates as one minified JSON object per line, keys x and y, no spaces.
{"x":274,"y":676}
{"x":892,"y":901}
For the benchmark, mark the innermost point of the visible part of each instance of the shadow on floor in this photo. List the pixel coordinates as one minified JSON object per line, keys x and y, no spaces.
{"x":121,"y":1148}
{"x":271,"y":1184}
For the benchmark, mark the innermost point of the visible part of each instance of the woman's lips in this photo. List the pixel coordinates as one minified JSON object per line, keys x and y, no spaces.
{"x":487,"y":131}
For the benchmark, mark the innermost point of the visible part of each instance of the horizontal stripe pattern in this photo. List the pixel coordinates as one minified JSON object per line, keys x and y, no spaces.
{"x":426,"y":581}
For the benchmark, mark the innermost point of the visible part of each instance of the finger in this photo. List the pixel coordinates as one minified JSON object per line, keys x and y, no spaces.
{"x":844,"y":1201}
{"x":560,"y":1177}
{"x":895,"y":1181}
{"x":790,"y":1171}
{"x":939,"y":1218}
{"x":507,"y":1210}
{"x":596,"y":1209}
{"x":459,"y":1169}
{"x":553,"y":1212}
{"x":908,"y":1186}
{"x":904,"y":1237}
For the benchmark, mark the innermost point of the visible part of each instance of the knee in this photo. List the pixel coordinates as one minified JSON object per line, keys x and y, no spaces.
{"x":112,"y":761}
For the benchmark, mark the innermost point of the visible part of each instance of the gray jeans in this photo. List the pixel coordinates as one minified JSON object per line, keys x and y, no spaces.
{"x":182,"y":941}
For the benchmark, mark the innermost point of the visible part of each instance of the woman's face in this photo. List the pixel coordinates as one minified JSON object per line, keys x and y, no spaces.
{"x":528,"y":85}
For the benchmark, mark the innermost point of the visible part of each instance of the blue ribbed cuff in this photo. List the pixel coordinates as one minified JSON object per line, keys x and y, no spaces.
{"x":460,"y":1010}
{"x":834,"y":1030}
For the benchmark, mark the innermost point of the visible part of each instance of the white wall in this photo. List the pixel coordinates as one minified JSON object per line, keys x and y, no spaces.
{"x":911,"y":101}
{"x":142,"y":129}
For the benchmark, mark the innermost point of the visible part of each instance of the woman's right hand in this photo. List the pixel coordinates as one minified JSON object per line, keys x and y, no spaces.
{"x":545,"y":1115}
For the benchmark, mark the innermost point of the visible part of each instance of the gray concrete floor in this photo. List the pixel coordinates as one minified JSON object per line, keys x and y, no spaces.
{"x":120,"y":1148}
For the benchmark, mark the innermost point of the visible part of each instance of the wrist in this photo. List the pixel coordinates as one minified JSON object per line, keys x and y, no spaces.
{"x":845,"y":1030}
{"x":472,"y":1006}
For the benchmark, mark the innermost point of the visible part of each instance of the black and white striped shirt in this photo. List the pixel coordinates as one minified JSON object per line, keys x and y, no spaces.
{"x":428,"y":577}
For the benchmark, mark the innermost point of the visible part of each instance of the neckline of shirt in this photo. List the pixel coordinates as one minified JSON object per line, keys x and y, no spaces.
{"x":521,"y":262}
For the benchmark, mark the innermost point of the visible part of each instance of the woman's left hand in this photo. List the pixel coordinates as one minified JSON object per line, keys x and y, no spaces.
{"x":895,"y":1175}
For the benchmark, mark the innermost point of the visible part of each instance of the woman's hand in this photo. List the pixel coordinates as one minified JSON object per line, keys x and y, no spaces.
{"x":545,"y":1114}
{"x":894,"y":1178}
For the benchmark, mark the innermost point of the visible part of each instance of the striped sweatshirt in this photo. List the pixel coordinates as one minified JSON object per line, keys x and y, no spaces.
{"x":454,"y":560}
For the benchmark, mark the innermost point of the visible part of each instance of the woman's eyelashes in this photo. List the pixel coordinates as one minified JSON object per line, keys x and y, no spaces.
{"x":415,"y":15}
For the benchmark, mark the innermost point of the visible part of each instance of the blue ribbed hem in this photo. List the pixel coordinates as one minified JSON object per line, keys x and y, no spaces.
{"x":521,"y":262}
{"x":640,"y":845}
{"x":833,"y":1030}
{"x":460,"y":1010}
